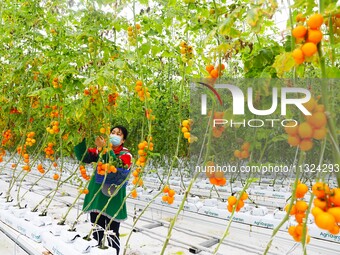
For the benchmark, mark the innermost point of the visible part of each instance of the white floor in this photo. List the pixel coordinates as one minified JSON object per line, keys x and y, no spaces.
{"x":8,"y":247}
{"x":190,"y":229}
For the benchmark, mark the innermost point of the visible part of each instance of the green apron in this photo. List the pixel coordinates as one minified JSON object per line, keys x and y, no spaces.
{"x":101,"y":200}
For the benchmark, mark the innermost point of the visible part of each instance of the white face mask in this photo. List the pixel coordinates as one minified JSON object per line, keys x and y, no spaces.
{"x":115,"y":140}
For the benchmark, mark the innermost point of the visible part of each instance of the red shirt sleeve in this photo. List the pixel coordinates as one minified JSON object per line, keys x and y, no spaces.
{"x":93,"y":151}
{"x":126,"y":158}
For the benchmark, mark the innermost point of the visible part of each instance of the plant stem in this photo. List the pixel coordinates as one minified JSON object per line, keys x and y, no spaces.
{"x":13,"y":180}
{"x":106,"y":205}
{"x":301,"y":160}
{"x":54,"y":190}
{"x":19,"y":199}
{"x":325,"y":100}
{"x":226,"y":232}
{"x":63,"y":219}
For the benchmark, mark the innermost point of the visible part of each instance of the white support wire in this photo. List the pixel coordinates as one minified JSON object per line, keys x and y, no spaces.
{"x":107,"y":233}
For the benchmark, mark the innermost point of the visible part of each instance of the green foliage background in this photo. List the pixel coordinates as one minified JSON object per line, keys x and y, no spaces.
{"x":83,"y":46}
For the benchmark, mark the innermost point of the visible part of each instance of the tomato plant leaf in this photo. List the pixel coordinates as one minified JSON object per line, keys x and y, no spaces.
{"x":283,"y":63}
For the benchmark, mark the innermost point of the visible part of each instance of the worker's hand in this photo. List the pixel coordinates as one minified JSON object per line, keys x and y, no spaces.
{"x":100,"y":141}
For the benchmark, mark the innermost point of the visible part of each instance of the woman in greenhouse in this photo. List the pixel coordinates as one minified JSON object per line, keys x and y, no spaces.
{"x":111,"y":172}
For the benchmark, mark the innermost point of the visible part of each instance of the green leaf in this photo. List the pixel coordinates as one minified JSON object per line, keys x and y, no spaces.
{"x":154,"y":154}
{"x":225,"y":27}
{"x":101,"y":80}
{"x":283,"y":63}
{"x":168,"y":54}
{"x":279,"y":138}
{"x":145,"y":48}
{"x":332,"y":8}
{"x":288,"y":44}
{"x":234,"y":33}
{"x":41,"y":92}
{"x":332,"y":72}
{"x":172,"y":3}
{"x":307,"y":5}
{"x":253,"y":17}
{"x":210,"y":36}
{"x":155,"y":50}
{"x":118,"y":63}
{"x":89,"y":80}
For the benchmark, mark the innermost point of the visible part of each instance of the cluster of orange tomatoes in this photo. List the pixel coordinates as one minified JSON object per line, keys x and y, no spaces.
{"x":14,"y":110}
{"x":137,"y":180}
{"x":187,"y":53}
{"x":21,"y":150}
{"x":326,"y":209}
{"x":92,"y":91}
{"x":7,"y":135}
{"x":299,"y":209}
{"x":26,"y":160}
{"x":84,"y":191}
{"x":112,"y":99}
{"x":216,"y":176}
{"x":169,"y":196}
{"x":35,"y":75}
{"x":2,"y":153}
{"x":142,"y":91}
{"x":41,"y":168}
{"x":35,"y":102}
{"x":143,"y":148}
{"x":49,"y":151}
{"x":232,"y":202}
{"x":136,"y":175}
{"x":105,"y":168}
{"x":244,"y":152}
{"x":217,"y":129}
{"x":214,"y":72}
{"x":149,"y":115}
{"x":54,"y":129}
{"x":186,"y":128}
{"x":310,"y":37}
{"x":56,"y":84}
{"x":83,"y":173}
{"x":55,"y":112}
{"x":132,"y":33}
{"x":105,"y":129}
{"x":30,"y":139}
{"x":313,"y":128}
